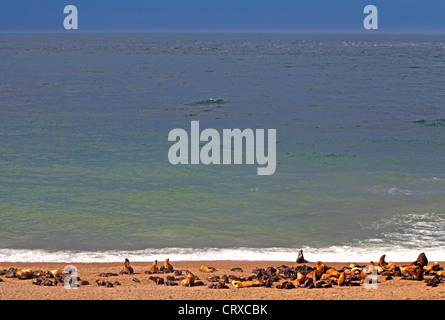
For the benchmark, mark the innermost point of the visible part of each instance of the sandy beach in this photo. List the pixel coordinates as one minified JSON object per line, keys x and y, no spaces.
{"x":145,"y":289}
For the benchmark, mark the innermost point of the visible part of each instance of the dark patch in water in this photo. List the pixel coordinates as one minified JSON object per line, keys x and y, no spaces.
{"x":431,"y":123}
{"x":207,"y":102}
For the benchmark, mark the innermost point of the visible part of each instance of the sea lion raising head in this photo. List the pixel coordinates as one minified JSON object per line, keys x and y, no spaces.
{"x":421,"y":260}
{"x":382,"y":262}
{"x":317,"y":273}
{"x":127,"y":268}
{"x":300,"y":258}
{"x":154,"y":267}
{"x":167,"y":265}
{"x":189,"y":280}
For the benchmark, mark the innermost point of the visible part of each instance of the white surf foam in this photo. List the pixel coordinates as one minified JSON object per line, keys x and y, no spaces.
{"x":329,"y":254}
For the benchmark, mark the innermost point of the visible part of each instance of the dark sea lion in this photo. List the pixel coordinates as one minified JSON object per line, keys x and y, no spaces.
{"x":100,"y":282}
{"x":127,"y":268}
{"x":218,"y":285}
{"x":236,"y":269}
{"x":300,"y":258}
{"x":421,"y":261}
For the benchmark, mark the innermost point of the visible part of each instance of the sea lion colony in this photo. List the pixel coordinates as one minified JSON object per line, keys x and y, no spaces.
{"x":282,"y":277}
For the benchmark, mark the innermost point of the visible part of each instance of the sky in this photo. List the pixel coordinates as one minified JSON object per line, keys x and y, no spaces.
{"x":408,"y":16}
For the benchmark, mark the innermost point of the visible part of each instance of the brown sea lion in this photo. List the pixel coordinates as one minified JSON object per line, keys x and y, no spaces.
{"x":189,"y":280}
{"x":330,"y":273}
{"x":421,"y":260}
{"x":431,"y":266}
{"x":167,"y":265}
{"x":154,"y":267}
{"x":365,"y":272}
{"x":382,"y":261}
{"x":127,"y":268}
{"x":341,"y":279}
{"x":300,"y":258}
{"x":206,"y":269}
{"x":317,"y":273}
{"x":56,"y":272}
{"x":299,"y":280}
{"x":23,"y":274}
{"x":246,"y":284}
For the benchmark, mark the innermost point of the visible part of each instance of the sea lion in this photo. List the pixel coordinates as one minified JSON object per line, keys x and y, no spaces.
{"x":127,"y":268}
{"x":206,"y":269}
{"x":56,"y":272}
{"x":316,"y":274}
{"x":365,"y":272}
{"x":431,"y":266}
{"x":300,"y":258}
{"x":189,"y":280}
{"x":24,"y":274}
{"x":236,"y":269}
{"x":167,"y":265}
{"x":412,"y":272}
{"x":246,"y":284}
{"x":421,"y":260}
{"x":154,"y":267}
{"x":341,"y":279}
{"x":330,"y":273}
{"x":382,"y":261}
{"x":299,"y":280}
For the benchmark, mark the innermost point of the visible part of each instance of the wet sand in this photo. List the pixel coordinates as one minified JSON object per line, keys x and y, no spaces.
{"x":146,"y":289}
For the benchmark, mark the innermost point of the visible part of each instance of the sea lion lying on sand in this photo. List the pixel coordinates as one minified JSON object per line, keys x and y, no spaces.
{"x":56,"y":273}
{"x":246,"y":284}
{"x":23,"y":274}
{"x":206,"y":269}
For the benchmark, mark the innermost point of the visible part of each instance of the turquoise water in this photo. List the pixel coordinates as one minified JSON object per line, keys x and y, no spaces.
{"x":84,"y":121}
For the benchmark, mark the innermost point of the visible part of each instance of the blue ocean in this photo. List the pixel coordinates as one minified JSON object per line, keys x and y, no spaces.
{"x":360,"y":146}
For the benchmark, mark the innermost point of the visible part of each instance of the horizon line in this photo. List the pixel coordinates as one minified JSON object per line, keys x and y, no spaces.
{"x":202,"y":31}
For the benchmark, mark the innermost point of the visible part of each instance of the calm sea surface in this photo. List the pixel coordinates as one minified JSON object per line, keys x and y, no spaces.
{"x":84,"y":172}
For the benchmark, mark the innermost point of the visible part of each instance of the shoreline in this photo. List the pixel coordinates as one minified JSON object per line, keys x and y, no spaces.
{"x":145,"y":289}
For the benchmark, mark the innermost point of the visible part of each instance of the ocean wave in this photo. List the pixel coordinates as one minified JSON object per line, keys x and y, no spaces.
{"x":411,"y":231}
{"x":390,"y":190}
{"x":346,"y":253}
